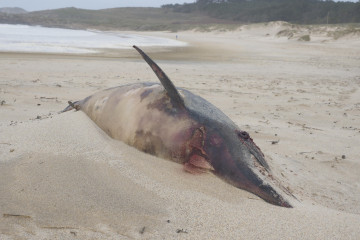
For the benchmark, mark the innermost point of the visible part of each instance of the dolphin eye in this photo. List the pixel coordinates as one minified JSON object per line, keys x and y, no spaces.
{"x":243,"y":135}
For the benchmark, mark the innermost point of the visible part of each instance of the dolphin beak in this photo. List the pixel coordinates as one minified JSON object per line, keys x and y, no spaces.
{"x":244,"y":171}
{"x":266,"y":189}
{"x":270,"y":195}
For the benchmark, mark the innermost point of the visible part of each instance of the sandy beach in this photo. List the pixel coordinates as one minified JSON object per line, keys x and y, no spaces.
{"x":61,"y":177}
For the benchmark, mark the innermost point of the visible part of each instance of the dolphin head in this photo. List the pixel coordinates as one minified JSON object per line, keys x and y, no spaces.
{"x":239,"y":161}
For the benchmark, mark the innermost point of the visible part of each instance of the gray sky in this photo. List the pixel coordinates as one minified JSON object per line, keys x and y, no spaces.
{"x":33,"y":5}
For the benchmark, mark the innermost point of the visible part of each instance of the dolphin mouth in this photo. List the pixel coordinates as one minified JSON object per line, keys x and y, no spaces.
{"x":266,"y":190}
{"x":255,"y":178}
{"x":270,"y":195}
{"x":270,"y":189}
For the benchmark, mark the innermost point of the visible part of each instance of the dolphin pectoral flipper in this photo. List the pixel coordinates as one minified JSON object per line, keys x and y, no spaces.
{"x":197,"y":164}
{"x":170,"y":88}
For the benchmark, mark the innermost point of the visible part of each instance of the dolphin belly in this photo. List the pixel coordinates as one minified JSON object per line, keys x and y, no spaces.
{"x":142,"y":116}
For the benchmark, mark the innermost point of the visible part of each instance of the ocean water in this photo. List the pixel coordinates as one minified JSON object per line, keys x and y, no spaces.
{"x":23,"y":38}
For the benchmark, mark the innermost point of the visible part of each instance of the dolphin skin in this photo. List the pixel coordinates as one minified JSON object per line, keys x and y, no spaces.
{"x":175,"y":124}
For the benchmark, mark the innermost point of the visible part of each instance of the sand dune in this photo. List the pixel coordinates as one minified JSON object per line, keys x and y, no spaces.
{"x":62,"y":177}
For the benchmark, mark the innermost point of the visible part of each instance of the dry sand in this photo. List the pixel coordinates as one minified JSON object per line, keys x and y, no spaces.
{"x":61,"y":177}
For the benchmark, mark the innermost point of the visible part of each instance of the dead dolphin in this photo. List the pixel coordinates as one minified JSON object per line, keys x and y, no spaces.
{"x":175,"y":124}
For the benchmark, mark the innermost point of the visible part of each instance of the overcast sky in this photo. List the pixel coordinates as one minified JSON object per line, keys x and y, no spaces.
{"x":34,"y":5}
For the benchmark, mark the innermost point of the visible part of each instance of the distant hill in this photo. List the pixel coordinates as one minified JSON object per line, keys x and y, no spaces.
{"x":293,"y":11}
{"x":201,"y":15}
{"x":12,"y":10}
{"x":140,"y":19}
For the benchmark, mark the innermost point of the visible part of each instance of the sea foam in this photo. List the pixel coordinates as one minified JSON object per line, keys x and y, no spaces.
{"x":23,"y":38}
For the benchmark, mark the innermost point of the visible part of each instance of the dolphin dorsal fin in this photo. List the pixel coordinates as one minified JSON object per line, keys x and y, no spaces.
{"x":165,"y":81}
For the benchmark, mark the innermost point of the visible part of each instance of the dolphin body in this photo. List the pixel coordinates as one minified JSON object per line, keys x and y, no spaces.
{"x":175,"y":124}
